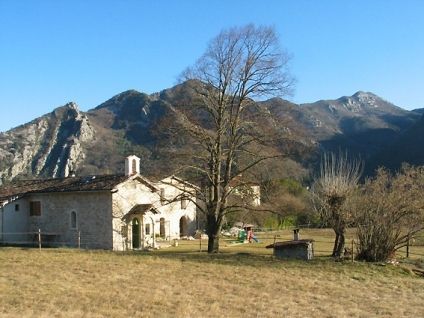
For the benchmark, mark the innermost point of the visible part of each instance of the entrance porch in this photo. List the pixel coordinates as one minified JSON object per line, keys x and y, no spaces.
{"x":140,"y":221}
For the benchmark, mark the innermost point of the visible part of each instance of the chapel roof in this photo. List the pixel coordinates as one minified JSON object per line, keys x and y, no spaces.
{"x":73,"y":184}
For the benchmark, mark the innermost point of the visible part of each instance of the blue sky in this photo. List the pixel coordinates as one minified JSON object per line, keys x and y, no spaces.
{"x":53,"y":52}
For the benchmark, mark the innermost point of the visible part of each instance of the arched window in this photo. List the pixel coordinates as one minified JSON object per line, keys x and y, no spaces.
{"x":73,"y":220}
{"x":147,"y":228}
{"x":162,"y":196}
{"x":184,"y":202}
{"x":183,"y":226}
{"x":134,"y":166}
{"x":162,"y":227}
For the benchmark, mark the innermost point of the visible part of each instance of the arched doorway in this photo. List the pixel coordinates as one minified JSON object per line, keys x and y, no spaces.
{"x":135,"y":233}
{"x":183,"y":226}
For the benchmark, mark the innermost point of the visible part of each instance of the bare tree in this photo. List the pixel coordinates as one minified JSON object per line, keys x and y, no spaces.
{"x":332,"y":193}
{"x":389,"y":211}
{"x":239,"y":64}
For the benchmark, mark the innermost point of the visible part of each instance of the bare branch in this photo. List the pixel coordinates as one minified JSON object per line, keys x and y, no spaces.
{"x":238,"y":65}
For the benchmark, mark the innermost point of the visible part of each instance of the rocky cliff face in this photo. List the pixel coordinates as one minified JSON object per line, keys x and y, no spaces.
{"x":49,"y":146}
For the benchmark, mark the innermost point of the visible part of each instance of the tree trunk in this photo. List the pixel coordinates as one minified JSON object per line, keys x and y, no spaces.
{"x":340,"y":247}
{"x":213,"y":244}
{"x":339,"y":244}
{"x":213,"y":229}
{"x":336,"y":243}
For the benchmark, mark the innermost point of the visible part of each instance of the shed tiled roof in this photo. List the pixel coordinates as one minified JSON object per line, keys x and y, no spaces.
{"x":278,"y":245}
{"x":87,"y":183}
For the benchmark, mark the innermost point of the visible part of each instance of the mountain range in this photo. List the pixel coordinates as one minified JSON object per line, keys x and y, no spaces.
{"x":68,"y":140}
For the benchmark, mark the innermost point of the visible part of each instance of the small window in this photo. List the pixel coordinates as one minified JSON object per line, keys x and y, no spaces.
{"x":35,"y":208}
{"x":147,"y":229}
{"x":184,"y":203}
{"x":124,"y":230}
{"x":16,"y":207}
{"x":73,"y":220}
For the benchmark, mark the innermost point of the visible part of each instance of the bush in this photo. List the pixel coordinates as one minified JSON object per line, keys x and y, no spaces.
{"x":389,"y":210}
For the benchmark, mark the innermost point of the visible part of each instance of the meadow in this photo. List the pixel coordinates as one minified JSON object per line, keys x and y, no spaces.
{"x":244,"y":280}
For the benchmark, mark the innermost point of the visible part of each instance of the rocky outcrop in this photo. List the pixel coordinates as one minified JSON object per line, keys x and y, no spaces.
{"x":49,"y":146}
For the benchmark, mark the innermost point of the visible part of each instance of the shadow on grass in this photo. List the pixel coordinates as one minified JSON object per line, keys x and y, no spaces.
{"x":260,"y":261}
{"x":236,"y":259}
{"x":231,"y":258}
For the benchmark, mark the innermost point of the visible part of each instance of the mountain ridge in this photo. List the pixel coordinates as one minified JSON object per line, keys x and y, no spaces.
{"x":95,"y":141}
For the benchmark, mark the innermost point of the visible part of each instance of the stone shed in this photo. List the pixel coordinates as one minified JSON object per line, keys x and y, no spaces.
{"x":295,"y":249}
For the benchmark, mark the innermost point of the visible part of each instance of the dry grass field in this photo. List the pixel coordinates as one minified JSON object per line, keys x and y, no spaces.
{"x":242,"y":281}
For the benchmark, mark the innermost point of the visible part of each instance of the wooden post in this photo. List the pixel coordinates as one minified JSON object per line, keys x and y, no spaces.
{"x":79,"y":240}
{"x":407,"y":247}
{"x":200,"y":241}
{"x":39,"y":239}
{"x":353,"y":255}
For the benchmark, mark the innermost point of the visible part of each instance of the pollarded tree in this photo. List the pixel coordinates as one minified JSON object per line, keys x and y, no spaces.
{"x":332,"y":192}
{"x":239,"y":64}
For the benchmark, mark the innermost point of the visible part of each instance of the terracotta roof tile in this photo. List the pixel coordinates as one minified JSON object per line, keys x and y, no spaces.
{"x":87,"y":183}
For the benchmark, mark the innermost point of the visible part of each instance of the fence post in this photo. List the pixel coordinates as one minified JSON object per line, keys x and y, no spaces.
{"x":79,"y":240}
{"x":407,"y":247}
{"x":353,"y":256}
{"x":200,"y":242}
{"x":39,"y":239}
